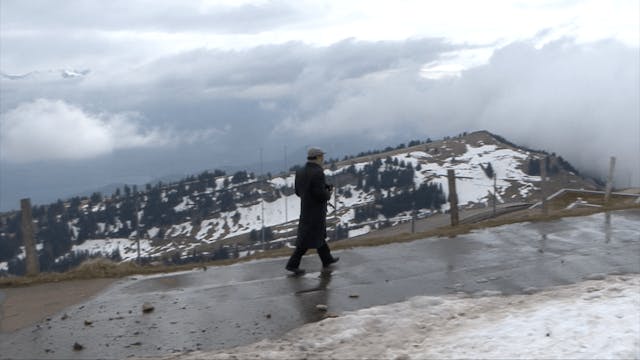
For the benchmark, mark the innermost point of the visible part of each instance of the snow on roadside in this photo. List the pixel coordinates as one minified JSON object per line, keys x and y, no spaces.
{"x":360,"y":231}
{"x":593,"y":319}
{"x":128,"y":248}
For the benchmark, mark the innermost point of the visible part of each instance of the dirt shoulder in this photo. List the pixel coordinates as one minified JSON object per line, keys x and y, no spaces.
{"x":24,"y":306}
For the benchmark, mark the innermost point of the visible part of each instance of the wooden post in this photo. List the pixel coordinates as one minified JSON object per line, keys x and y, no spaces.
{"x":453,"y":197}
{"x":607,"y":194}
{"x":33,"y":266}
{"x":543,"y":186}
{"x":413,"y":217}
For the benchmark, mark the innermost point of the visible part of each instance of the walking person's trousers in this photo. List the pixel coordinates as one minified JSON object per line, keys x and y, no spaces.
{"x":323,"y":252}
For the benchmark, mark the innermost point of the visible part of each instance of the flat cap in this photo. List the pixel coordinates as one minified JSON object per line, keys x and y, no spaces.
{"x":314,"y":152}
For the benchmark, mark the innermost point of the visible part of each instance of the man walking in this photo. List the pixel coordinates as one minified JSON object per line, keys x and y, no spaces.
{"x":314,"y":193}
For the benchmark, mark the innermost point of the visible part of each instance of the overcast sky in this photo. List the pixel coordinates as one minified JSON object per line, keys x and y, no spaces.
{"x":100,"y":92}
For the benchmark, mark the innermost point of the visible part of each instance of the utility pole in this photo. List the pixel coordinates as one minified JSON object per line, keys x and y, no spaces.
{"x":137,"y":225}
{"x":264,"y":245}
{"x":612,"y":165}
{"x":31,"y":254}
{"x":286,"y":172}
{"x":453,"y":197}
{"x":335,"y":205}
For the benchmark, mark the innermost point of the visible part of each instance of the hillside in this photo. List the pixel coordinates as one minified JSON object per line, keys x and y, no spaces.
{"x":216,"y":215}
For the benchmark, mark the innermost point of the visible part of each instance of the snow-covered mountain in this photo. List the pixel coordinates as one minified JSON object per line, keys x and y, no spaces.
{"x":47,"y":75}
{"x":219,"y":215}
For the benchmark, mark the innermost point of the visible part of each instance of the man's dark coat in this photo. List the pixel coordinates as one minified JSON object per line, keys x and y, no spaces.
{"x":312,"y":189}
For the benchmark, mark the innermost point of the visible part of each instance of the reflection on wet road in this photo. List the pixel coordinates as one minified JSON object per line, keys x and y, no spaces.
{"x":244,"y":303}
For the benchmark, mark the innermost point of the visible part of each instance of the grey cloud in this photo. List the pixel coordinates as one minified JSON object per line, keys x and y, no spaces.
{"x":217,"y":89}
{"x":55,"y":49}
{"x":291,"y":62}
{"x":216,"y":68}
{"x":351,"y":58}
{"x":579,"y":100}
{"x":56,"y":130}
{"x":39,"y":35}
{"x":157,"y":15}
{"x":582,"y":101}
{"x":206,"y":74}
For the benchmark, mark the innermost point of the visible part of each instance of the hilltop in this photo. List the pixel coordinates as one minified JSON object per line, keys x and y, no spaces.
{"x":215,"y":215}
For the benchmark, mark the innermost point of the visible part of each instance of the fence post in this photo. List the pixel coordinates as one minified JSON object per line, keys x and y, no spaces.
{"x":543,"y":186}
{"x":607,"y":194}
{"x":453,"y":197}
{"x":31,"y":258}
{"x":413,"y":217}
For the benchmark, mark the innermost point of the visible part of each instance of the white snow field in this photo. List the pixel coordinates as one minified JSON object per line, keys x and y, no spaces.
{"x":590,"y":320}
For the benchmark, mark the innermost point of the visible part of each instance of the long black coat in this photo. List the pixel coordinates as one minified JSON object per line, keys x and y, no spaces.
{"x":312,"y":190}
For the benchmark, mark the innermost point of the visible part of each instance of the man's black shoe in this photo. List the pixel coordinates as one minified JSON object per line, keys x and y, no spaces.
{"x":295,"y":271}
{"x":333,"y":261}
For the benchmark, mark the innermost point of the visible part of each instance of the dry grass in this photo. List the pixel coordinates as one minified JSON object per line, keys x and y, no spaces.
{"x":102,"y":268}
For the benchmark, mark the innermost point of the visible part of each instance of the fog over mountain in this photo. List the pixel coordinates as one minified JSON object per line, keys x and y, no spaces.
{"x":103,"y":107}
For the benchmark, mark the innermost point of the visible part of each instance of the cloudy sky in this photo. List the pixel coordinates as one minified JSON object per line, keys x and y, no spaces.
{"x":95,"y":92}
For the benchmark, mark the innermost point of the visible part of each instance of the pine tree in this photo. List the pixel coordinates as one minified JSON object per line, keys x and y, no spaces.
{"x":96,"y":198}
{"x":226,"y":201}
{"x":534,"y":167}
{"x":347,"y":193}
{"x":236,"y":218}
{"x":488,"y":170}
{"x":239,"y":177}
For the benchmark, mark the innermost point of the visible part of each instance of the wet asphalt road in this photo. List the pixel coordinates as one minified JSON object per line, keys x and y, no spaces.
{"x":244,"y":303}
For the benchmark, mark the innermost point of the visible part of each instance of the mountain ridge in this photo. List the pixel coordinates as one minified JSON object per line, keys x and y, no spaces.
{"x":219,"y":215}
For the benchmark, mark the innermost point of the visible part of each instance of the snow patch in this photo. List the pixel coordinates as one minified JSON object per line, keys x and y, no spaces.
{"x":594,"y":319}
{"x":153,"y":232}
{"x":360,"y":231}
{"x":186,"y":204}
{"x":128,"y":248}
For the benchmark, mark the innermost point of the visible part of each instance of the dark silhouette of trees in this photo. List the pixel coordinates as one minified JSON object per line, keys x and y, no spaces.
{"x":427,"y":196}
{"x":488,"y":170}
{"x":364,"y":213}
{"x":239,"y":177}
{"x":10,"y":238}
{"x":226,"y":201}
{"x":533,"y":167}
